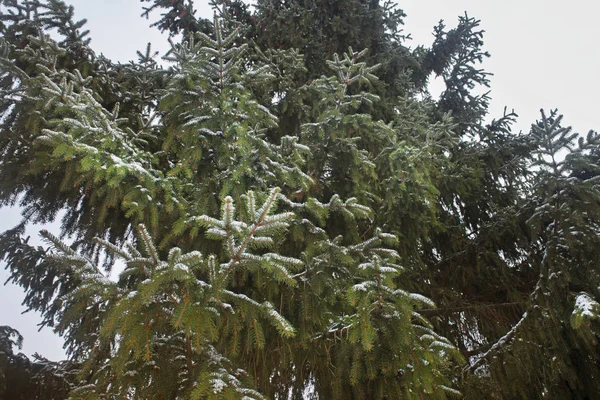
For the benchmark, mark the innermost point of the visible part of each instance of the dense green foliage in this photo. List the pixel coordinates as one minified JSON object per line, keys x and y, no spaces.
{"x":281,"y":210}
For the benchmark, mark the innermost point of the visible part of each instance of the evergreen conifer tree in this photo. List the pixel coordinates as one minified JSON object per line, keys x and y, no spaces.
{"x":23,"y":379}
{"x":284,"y":207}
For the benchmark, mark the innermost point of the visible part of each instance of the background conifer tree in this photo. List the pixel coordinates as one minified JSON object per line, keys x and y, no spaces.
{"x":21,"y":378}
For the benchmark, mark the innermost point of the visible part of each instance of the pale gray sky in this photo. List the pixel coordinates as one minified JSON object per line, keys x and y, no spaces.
{"x":544,"y":55}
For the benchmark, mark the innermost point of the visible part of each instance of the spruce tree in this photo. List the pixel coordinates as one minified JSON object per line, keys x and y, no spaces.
{"x":23,"y":379}
{"x":284,"y":206}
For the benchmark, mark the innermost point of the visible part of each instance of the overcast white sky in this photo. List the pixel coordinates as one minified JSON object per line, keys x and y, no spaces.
{"x":545,"y":54}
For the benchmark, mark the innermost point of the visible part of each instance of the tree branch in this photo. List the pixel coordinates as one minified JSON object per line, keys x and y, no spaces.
{"x":429,"y":312}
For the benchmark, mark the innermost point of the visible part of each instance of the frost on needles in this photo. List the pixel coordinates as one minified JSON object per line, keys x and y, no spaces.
{"x":279,"y":209}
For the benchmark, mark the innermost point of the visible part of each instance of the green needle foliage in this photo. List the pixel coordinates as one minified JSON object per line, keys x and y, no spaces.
{"x":280,"y":210}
